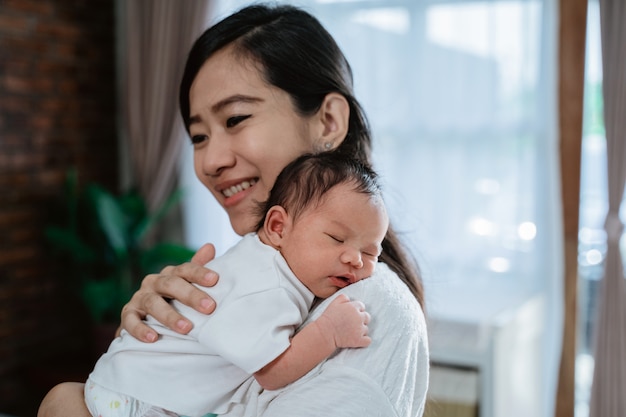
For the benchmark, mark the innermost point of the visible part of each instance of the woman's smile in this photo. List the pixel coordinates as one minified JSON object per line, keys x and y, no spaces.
{"x":234,"y":189}
{"x":232,"y":193}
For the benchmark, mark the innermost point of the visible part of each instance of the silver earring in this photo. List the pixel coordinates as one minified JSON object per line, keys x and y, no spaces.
{"x":328,"y":145}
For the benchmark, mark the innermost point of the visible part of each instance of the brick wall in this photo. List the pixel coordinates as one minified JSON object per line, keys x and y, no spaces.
{"x":57,"y":110}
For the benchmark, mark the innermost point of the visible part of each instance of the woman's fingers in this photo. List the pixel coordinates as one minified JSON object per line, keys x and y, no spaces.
{"x":172,"y":282}
{"x":175,"y":284}
{"x":146,"y":301}
{"x":205,"y":254}
{"x":133,"y":323}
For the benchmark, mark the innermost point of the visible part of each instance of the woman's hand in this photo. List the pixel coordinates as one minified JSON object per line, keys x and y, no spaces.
{"x":172,"y":282}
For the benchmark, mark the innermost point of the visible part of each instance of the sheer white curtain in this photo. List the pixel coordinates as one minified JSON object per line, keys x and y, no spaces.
{"x":609,"y":381}
{"x":461,"y":96}
{"x":156,"y":33}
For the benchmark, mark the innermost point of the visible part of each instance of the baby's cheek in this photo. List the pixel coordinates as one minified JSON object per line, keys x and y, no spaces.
{"x":368,"y":269}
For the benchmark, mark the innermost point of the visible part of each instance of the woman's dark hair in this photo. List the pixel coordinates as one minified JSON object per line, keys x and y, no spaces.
{"x":296,"y":53}
{"x":304,"y":182}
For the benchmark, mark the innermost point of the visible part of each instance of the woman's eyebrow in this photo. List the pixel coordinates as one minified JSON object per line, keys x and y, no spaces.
{"x":220,"y":105}
{"x":237,"y":98}
{"x":194,"y":119}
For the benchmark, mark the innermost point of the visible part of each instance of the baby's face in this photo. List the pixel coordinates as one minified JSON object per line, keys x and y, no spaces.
{"x":338,"y":242}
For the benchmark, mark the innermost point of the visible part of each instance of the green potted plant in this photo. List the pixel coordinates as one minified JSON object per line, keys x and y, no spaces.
{"x":103,"y":241}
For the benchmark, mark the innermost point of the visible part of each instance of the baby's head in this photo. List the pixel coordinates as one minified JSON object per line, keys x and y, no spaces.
{"x":326,"y":215}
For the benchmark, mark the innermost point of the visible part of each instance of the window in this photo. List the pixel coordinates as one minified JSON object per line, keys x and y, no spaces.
{"x":461,"y":98}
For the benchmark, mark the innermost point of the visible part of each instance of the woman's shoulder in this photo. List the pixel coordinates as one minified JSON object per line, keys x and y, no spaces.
{"x":399,"y":349}
{"x":397,"y":319}
{"x":385,"y":294}
{"x":395,"y":311}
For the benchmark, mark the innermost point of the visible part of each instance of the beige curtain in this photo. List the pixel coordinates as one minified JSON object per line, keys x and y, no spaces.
{"x":157,"y":37}
{"x":608,"y":394}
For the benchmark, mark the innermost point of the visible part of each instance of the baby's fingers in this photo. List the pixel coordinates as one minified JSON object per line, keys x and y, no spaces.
{"x":365,"y":341}
{"x":366,"y":317}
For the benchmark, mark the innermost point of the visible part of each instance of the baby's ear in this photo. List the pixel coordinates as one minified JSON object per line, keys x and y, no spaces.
{"x":276,"y":222}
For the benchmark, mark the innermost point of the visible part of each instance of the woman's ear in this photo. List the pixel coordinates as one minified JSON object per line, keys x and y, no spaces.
{"x":277,"y":223}
{"x":334,"y":115}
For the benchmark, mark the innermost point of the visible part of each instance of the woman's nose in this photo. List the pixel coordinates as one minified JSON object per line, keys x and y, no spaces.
{"x":217,"y":156}
{"x":353,"y":257}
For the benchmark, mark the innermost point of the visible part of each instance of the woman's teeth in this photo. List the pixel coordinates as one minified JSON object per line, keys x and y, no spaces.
{"x":231,"y":191}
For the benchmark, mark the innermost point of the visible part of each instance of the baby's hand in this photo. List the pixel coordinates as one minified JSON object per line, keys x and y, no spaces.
{"x":347,"y":322}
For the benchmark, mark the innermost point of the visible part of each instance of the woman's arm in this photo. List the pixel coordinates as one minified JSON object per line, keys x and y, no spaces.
{"x":343,"y":324}
{"x":173,"y":282}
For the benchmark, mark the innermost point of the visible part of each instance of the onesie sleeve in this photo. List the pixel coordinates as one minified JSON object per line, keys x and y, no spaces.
{"x":253,"y":330}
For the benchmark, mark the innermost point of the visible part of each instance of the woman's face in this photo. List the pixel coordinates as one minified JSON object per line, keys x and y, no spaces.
{"x":244,"y":132}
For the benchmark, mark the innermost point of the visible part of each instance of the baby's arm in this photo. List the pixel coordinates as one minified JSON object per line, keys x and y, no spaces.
{"x":343,"y":324}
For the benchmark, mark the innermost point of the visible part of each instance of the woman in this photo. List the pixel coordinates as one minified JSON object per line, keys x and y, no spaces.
{"x":260,"y":88}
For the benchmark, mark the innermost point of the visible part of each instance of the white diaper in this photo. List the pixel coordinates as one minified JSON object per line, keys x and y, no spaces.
{"x":102,"y":402}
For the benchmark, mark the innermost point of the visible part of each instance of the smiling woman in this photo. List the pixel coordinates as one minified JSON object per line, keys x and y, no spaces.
{"x":302,"y":102}
{"x":460,"y":97}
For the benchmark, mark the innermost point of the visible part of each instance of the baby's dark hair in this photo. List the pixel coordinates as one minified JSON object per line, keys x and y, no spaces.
{"x":303,"y":183}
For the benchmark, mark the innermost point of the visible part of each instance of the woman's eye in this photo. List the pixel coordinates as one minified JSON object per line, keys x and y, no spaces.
{"x":195,"y":139}
{"x":235,"y":120}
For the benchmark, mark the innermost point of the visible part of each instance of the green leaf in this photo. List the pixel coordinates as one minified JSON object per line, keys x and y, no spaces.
{"x":150,"y":220}
{"x":111,"y":219}
{"x":99,"y":234}
{"x":71,"y":198}
{"x":154,"y":259}
{"x":69,"y":243}
{"x":137,"y":213}
{"x":101,"y":297}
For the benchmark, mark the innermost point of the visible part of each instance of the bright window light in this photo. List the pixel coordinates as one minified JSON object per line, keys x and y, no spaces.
{"x":487,"y":186}
{"x":499,"y":264}
{"x":394,"y":20}
{"x":482,"y":227}
{"x":527,"y":231}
